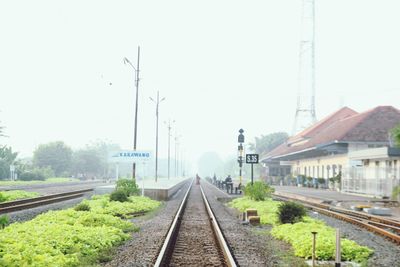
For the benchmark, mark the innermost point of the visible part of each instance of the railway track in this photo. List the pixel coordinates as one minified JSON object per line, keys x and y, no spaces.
{"x":23,"y":204}
{"x":195,"y":238}
{"x":386,"y":227}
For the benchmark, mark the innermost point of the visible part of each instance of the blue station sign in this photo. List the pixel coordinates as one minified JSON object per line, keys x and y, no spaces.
{"x":130,"y":156}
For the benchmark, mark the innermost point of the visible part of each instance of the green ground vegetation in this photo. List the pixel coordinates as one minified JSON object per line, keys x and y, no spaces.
{"x":71,"y":237}
{"x":16,"y":194}
{"x":47,"y":181}
{"x":299,"y":234}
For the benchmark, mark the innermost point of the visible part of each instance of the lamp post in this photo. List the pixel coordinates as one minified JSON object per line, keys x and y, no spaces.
{"x":126,"y":61}
{"x":157,"y":102}
{"x":240,"y":154}
{"x":169,"y":145}
{"x":176,"y":154}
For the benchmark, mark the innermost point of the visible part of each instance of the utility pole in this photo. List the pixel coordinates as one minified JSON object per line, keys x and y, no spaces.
{"x":169,"y":146}
{"x":126,"y":61}
{"x":157,"y":102}
{"x":176,"y":154}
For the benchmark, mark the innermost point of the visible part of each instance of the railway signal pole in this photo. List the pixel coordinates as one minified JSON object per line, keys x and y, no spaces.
{"x":240,"y":155}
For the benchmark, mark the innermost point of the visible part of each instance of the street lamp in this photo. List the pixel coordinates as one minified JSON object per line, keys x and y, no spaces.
{"x":240,"y":155}
{"x":126,"y":61}
{"x":177,"y":153}
{"x":157,"y":102}
{"x":169,"y":145}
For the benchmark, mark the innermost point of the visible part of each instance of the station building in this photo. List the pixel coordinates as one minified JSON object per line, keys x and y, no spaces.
{"x":356,"y":145}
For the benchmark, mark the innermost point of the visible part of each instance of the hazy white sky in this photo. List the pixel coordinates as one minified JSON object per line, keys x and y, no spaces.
{"x":222,"y":66}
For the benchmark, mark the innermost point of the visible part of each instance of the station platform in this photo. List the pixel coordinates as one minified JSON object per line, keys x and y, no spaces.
{"x":163,"y":189}
{"x":322,"y":194}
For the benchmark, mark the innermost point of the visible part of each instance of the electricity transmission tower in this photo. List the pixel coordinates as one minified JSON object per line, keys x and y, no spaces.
{"x":305,"y":111}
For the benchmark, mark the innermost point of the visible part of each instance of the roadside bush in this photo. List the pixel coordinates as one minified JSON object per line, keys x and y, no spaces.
{"x":258,"y":191}
{"x":129,"y":186}
{"x":395,"y":192}
{"x":2,"y":197}
{"x":35,"y":174}
{"x":83,"y":206}
{"x":119,"y":195}
{"x":3,"y":221}
{"x":290,"y":212}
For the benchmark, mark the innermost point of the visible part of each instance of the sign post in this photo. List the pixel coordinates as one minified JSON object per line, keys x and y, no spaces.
{"x":252,"y":159}
{"x":129,"y":156}
{"x":12,"y":172}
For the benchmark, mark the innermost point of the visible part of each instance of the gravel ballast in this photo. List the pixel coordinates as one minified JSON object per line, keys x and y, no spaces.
{"x":143,"y":248}
{"x":250,"y":245}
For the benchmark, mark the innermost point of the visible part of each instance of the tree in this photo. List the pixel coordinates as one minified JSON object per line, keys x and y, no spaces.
{"x":56,"y":155}
{"x":7,"y":157}
{"x":396,"y":135}
{"x":268,"y":142}
{"x":2,"y":130}
{"x":87,"y":162}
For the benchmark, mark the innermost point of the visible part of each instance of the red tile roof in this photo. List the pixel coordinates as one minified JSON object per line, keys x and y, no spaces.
{"x":345,"y":125}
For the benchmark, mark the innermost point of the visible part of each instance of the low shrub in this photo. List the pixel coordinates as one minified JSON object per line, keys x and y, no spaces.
{"x":70,"y":237}
{"x":119,"y":195}
{"x":35,"y":174}
{"x":299,"y":234}
{"x":258,"y":191}
{"x":300,"y":237}
{"x":395,"y":192}
{"x":31,"y":176}
{"x":290,"y":212}
{"x":3,"y":198}
{"x":4,"y":220}
{"x":83,"y":206}
{"x":129,"y":186}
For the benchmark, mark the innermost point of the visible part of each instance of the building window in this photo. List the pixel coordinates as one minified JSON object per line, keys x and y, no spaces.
{"x":317,"y":171}
{"x":313,"y":171}
{"x":323,"y":170}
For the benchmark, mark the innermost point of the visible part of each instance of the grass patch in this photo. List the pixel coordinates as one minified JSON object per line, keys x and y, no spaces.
{"x":71,"y":237}
{"x":267,"y":209}
{"x":47,"y":181}
{"x":299,"y":234}
{"x":16,"y":194}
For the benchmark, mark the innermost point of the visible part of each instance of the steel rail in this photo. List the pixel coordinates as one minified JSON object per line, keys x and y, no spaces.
{"x":40,"y":201}
{"x":170,"y":240}
{"x":165,"y":250}
{"x":370,"y":222}
{"x":218,"y":233}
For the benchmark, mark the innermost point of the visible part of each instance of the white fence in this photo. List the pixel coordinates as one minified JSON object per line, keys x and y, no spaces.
{"x":376,"y":181}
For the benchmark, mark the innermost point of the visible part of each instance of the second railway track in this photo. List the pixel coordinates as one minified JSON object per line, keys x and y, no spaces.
{"x":195,"y":238}
{"x":40,"y":201}
{"x":385,"y":227}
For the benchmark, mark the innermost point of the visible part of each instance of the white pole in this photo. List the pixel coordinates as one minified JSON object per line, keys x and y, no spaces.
{"x":116,"y":171}
{"x":338,"y":253}
{"x":144,"y":172}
